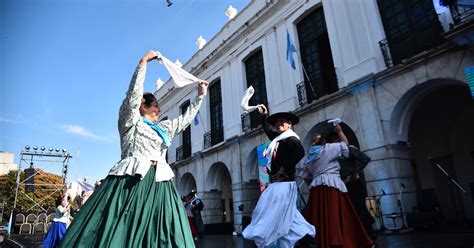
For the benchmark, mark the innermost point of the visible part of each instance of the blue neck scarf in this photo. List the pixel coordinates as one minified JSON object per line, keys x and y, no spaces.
{"x":313,"y":153}
{"x":162,"y":133}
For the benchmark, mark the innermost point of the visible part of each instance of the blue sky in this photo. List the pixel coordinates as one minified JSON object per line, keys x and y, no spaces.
{"x":65,"y":66}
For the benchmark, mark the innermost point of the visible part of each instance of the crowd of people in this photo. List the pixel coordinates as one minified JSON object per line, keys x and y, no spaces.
{"x":137,"y":205}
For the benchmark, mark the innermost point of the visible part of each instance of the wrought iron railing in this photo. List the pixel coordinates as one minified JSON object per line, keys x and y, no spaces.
{"x":186,"y":150}
{"x":387,"y":57}
{"x":179,"y":153}
{"x":246,"y":124}
{"x":207,"y":140}
{"x":302,"y":96}
{"x":213,"y":137}
{"x":461,"y":12}
{"x":217,"y":135}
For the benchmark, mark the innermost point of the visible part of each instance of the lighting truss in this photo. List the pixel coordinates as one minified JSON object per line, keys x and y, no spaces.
{"x":43,"y":159}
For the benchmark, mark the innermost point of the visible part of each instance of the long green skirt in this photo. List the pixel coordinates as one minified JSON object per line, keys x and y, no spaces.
{"x":128,"y":212}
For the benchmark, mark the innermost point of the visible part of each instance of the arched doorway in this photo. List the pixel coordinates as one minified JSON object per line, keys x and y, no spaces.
{"x":220,"y":183}
{"x":440,"y":129}
{"x":186,"y":184}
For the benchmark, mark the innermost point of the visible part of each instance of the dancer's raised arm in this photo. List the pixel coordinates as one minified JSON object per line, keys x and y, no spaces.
{"x":130,"y":109}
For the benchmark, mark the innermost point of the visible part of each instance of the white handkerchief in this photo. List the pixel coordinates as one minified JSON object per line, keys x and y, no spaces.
{"x":179,"y":75}
{"x":245,"y":101}
{"x":335,"y":121}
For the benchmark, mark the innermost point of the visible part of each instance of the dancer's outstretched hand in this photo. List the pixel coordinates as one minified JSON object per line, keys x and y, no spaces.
{"x":149,"y":56}
{"x":264,"y":109}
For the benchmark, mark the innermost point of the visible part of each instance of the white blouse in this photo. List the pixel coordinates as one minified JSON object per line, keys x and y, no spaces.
{"x":325,"y":169}
{"x":139,"y":142}
{"x":60,"y":217}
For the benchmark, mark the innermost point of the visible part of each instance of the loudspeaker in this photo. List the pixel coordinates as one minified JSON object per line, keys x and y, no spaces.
{"x":30,"y":179}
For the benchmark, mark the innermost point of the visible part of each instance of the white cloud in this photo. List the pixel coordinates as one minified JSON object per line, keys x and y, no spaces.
{"x":13,"y":121}
{"x":84,"y":132}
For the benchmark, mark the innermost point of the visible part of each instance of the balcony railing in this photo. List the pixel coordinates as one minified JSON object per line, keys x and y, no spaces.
{"x":461,"y":12}
{"x":246,"y":124}
{"x":213,"y":137}
{"x":207,"y":140}
{"x":302,"y":96}
{"x":179,"y":153}
{"x":386,"y":53}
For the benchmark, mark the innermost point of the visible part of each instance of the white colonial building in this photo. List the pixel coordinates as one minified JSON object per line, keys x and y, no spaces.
{"x":392,"y":70}
{"x":7,"y":163}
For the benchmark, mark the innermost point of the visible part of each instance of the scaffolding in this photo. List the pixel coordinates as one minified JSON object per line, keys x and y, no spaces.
{"x":37,"y":161}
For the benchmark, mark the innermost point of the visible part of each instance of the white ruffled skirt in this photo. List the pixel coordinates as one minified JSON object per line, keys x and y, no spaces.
{"x":276,"y":218}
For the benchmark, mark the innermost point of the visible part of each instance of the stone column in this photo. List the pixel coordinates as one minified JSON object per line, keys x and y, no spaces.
{"x":246,"y":194}
{"x":389,"y":169}
{"x":212,"y":207}
{"x":228,"y":217}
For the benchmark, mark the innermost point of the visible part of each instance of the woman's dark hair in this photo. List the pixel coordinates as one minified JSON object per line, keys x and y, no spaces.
{"x":59,"y":200}
{"x":333,"y":138}
{"x":149,"y":98}
{"x":318,"y":139}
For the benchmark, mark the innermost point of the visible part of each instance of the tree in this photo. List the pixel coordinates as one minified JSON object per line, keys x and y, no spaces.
{"x":8,"y":189}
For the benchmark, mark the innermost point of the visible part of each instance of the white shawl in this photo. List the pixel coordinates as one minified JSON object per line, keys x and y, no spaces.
{"x":273,"y":145}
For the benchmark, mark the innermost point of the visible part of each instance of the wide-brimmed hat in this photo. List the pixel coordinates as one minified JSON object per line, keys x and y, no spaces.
{"x":283,"y":115}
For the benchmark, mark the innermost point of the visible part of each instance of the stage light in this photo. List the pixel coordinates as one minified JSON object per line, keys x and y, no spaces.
{"x":64,"y":150}
{"x":43,"y":148}
{"x":35,"y":148}
{"x":57,"y":149}
{"x":27,"y":147}
{"x":50,"y":149}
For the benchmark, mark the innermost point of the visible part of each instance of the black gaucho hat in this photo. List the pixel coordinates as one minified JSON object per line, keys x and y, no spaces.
{"x":283,"y":115}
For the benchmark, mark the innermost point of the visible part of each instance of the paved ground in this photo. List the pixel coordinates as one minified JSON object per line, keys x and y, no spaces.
{"x":462,"y":239}
{"x":452,"y":239}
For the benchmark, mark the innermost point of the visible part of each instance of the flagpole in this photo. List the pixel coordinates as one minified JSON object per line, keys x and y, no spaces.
{"x":203,"y":123}
{"x":307,"y":77}
{"x":290,"y":49}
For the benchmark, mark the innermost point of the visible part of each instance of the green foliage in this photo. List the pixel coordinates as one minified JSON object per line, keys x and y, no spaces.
{"x":8,"y":188}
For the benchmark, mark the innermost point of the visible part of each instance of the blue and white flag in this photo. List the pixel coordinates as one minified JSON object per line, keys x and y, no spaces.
{"x":196,"y":120}
{"x":85,"y":186}
{"x":290,"y":49}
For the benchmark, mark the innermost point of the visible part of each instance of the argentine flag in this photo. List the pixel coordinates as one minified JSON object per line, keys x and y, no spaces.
{"x":290,"y":49}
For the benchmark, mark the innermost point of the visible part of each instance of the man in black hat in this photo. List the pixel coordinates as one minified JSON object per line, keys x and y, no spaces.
{"x":288,"y":151}
{"x":276,"y":219}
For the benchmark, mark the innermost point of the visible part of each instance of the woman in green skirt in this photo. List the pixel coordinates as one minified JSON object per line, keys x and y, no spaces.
{"x":137,"y":204}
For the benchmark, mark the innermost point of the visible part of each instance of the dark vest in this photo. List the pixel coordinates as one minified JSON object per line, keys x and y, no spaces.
{"x":289,"y":152}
